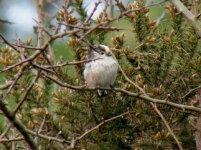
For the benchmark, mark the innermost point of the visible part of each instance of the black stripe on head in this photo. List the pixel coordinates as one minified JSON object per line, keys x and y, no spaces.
{"x":91,"y":54}
{"x":96,"y":50}
{"x":99,"y":49}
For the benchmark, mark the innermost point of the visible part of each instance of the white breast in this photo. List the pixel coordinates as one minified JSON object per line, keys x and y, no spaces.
{"x":101,"y":72}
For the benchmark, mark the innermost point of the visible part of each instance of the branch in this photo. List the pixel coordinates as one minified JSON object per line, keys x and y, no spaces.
{"x":110,"y":28}
{"x":129,"y":93}
{"x":60,"y":35}
{"x":5,"y":131}
{"x":88,"y":32}
{"x":102,"y":123}
{"x":154,"y":106}
{"x":17,"y":77}
{"x":41,"y":127}
{"x":192,"y":18}
{"x":9,"y":44}
{"x":117,"y":18}
{"x":49,"y":138}
{"x":93,"y":11}
{"x":18,"y":125}
{"x":6,"y":21}
{"x":6,"y":85}
{"x":72,"y":63}
{"x":167,"y":125}
{"x":11,"y":140}
{"x":37,"y":53}
{"x":49,"y":62}
{"x":137,"y":9}
{"x":21,"y":62}
{"x":190,"y":91}
{"x":26,"y":93}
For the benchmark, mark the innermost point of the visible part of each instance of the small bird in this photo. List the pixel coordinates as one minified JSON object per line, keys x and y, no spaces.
{"x":101,"y":72}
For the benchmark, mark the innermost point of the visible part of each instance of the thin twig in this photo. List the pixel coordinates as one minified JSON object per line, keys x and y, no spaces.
{"x":88,"y":32}
{"x":40,"y":128}
{"x":92,"y":12}
{"x":130,"y":81}
{"x":102,"y":123}
{"x":8,"y":43}
{"x":72,"y":63}
{"x":43,"y":68}
{"x":89,"y":28}
{"x":42,"y":28}
{"x":190,"y":91}
{"x":17,"y":77}
{"x":11,"y":140}
{"x":5,"y":131}
{"x":6,"y":85}
{"x":49,"y":138}
{"x":26,"y":93}
{"x":167,"y":125}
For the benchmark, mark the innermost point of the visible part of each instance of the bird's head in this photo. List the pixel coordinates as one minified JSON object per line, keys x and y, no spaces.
{"x":100,"y":51}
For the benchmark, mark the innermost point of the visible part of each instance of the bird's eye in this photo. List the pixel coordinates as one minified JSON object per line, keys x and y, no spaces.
{"x":102,"y":53}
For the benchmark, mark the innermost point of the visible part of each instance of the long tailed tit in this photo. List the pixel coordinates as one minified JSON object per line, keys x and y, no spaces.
{"x":102,"y":71}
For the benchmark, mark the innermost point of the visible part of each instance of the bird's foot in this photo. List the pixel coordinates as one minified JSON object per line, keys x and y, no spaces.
{"x":102,"y":93}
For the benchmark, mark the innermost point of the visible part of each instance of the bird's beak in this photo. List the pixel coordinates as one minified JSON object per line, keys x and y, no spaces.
{"x":108,"y":54}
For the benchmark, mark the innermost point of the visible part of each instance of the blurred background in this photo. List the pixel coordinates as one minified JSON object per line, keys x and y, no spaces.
{"x":20,"y":15}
